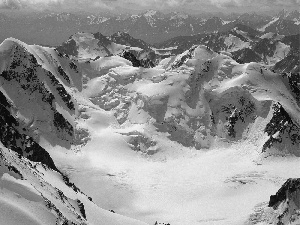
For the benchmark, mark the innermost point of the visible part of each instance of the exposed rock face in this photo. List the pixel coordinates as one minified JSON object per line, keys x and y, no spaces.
{"x":20,"y":142}
{"x":246,"y":55}
{"x":36,"y":100}
{"x":38,"y":86}
{"x":143,"y":62}
{"x":292,"y":81}
{"x":183,"y":57}
{"x":69,"y":47}
{"x":51,"y":198}
{"x":286,"y":202}
{"x":233,"y":111}
{"x":283,"y":207}
{"x":103,"y":40}
{"x":291,"y":63}
{"x":131,"y":57}
{"x":283,"y":133}
{"x":147,"y":63}
{"x":290,"y":191}
{"x":283,"y":26}
{"x":87,"y":46}
{"x":125,"y":39}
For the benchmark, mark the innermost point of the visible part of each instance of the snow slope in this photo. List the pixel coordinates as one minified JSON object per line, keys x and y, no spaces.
{"x":163,"y":116}
{"x":199,"y":139}
{"x":38,"y":195}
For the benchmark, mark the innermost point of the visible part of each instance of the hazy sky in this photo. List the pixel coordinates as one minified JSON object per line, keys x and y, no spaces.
{"x":192,"y":6}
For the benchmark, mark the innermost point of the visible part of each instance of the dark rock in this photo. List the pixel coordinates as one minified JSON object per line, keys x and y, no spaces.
{"x":131,"y":57}
{"x":125,"y":39}
{"x":81,"y":208}
{"x":21,"y":143}
{"x":283,"y":132}
{"x":290,"y":191}
{"x":292,"y":82}
{"x":69,"y":48}
{"x":246,"y":55}
{"x":291,"y":63}
{"x":61,"y":91}
{"x":63,"y":73}
{"x":103,"y":40}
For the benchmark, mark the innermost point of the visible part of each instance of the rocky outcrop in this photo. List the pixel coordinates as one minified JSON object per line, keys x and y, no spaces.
{"x":69,"y":47}
{"x":292,"y":82}
{"x":290,"y":191}
{"x":286,"y":202}
{"x":124,"y":38}
{"x":246,"y":55}
{"x":291,"y":63}
{"x":283,"y":208}
{"x":18,"y":140}
{"x":283,"y":133}
{"x":39,"y":92}
{"x":233,"y":111}
{"x":131,"y":57}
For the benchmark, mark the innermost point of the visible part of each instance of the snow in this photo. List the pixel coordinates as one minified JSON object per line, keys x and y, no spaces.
{"x":234,"y":43}
{"x":225,"y":22}
{"x":150,"y":13}
{"x":297,"y":21}
{"x":243,"y":33}
{"x":280,"y":53}
{"x":178,"y":16}
{"x":136,"y":49}
{"x":268,"y":35}
{"x":269,"y":24}
{"x":25,"y":198}
{"x":91,"y":48}
{"x":132,"y":163}
{"x":180,"y":185}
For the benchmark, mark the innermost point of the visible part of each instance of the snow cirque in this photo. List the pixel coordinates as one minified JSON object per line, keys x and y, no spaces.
{"x":197,"y":139}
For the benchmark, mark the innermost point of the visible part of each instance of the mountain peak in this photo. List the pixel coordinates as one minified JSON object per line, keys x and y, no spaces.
{"x":121,"y":33}
{"x":150,"y":13}
{"x":282,"y":14}
{"x":178,"y":15}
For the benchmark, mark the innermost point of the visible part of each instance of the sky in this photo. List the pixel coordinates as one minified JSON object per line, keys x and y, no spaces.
{"x":132,"y":6}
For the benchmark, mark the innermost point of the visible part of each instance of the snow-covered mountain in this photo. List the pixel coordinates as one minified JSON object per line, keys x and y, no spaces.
{"x":245,"y":45}
{"x":286,"y":23}
{"x":197,"y":139}
{"x":240,"y":36}
{"x":291,"y":62}
{"x":87,"y":46}
{"x":39,"y":109}
{"x":150,"y":26}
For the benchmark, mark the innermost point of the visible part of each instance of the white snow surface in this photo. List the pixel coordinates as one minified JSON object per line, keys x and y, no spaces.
{"x":163,"y":180}
{"x":90,"y":48}
{"x":234,"y":43}
{"x":269,"y":24}
{"x":176,"y":185}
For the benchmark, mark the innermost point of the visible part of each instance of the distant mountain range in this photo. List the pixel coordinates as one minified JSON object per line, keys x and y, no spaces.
{"x":242,"y":43}
{"x":151,"y":26}
{"x":245,"y":45}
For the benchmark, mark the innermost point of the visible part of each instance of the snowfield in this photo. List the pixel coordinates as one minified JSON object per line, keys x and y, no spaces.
{"x":198,"y":139}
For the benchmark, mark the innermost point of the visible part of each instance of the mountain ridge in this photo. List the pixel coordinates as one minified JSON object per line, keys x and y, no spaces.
{"x":84,"y":113}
